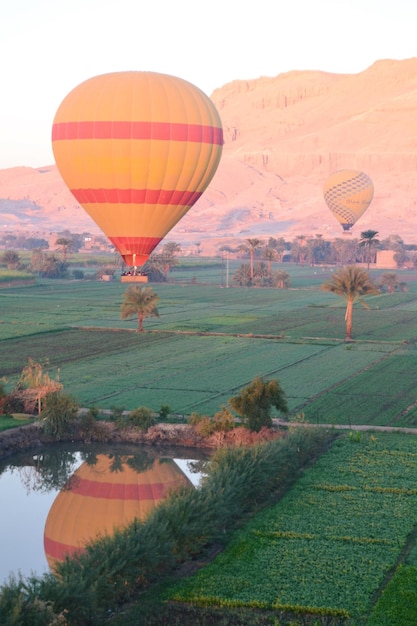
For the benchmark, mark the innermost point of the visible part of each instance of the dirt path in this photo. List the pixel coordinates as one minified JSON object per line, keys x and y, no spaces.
{"x":362,"y":427}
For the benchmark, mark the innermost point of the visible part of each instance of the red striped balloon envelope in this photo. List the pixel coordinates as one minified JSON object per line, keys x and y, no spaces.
{"x":99,"y":499}
{"x":137,"y":150}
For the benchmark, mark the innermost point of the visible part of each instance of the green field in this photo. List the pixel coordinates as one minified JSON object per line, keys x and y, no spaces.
{"x":331,"y":544}
{"x":209,"y":341}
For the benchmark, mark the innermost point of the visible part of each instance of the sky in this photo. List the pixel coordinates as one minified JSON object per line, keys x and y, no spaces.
{"x":48,"y":47}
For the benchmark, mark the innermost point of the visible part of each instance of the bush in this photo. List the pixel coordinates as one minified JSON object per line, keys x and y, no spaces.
{"x":142,"y":418}
{"x":58,"y":414}
{"x":164,"y":411}
{"x":255,"y":401}
{"x":20,"y":605}
{"x":12,"y":403}
{"x":223,"y":421}
{"x":89,"y":426}
{"x":78,"y":274}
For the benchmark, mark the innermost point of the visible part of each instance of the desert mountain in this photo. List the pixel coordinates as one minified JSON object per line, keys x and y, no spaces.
{"x":283,"y":137}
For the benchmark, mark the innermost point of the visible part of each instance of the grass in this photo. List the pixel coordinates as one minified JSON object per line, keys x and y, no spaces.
{"x":12,"y":421}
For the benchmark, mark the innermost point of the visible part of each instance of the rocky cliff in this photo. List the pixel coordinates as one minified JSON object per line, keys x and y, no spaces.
{"x":283,"y":137}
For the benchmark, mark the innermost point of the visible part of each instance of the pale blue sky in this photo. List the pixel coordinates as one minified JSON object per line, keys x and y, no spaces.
{"x":47,"y":47}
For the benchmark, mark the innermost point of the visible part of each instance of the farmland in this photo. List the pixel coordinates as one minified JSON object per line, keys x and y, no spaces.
{"x":210,"y":341}
{"x":327,"y":546}
{"x":341,"y":543}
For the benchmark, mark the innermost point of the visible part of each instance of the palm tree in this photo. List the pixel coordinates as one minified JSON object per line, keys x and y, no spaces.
{"x":269,"y":254}
{"x":140,"y":301}
{"x":299,"y":249}
{"x":242,"y":276}
{"x":281,"y":279}
{"x":250,"y":246}
{"x":368,"y":240}
{"x":352,"y":283}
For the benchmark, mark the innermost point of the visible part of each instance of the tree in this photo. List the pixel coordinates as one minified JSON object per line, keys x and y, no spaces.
{"x":281,"y":279}
{"x":279,"y":246}
{"x":351,"y":283}
{"x":390,"y":282}
{"x":345,"y":251}
{"x":65,"y":245}
{"x":255,"y":401}
{"x":369,"y":242}
{"x":250,"y":246}
{"x":269,"y":254}
{"x":34,"y":384}
{"x":168,"y":257}
{"x":11,"y":258}
{"x":140,"y":301}
{"x":47,"y":265}
{"x":242,"y":276}
{"x":299,"y":249}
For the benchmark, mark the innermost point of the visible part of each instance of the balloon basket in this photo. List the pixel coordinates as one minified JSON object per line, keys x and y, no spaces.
{"x":131,"y":278}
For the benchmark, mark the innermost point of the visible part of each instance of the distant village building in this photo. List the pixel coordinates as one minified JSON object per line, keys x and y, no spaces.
{"x":385,"y":260}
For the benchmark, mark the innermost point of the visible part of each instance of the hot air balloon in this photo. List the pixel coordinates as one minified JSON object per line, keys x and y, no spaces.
{"x":137,"y":150}
{"x":99,"y":499}
{"x":348,"y":193}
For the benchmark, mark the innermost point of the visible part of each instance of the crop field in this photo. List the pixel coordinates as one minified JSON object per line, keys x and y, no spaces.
{"x":210,"y":341}
{"x":331,"y":544}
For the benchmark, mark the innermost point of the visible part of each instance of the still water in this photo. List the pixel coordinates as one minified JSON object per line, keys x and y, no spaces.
{"x":55,"y":498}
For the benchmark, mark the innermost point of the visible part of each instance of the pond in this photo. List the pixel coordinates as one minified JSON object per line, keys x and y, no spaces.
{"x":56,"y":498}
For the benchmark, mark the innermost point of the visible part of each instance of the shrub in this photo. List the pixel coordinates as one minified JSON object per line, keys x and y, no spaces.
{"x":222,"y":421}
{"x":164,"y":411}
{"x":20,"y":605}
{"x":90,"y":427}
{"x":255,"y":401}
{"x":59,"y":412}
{"x":12,"y":403}
{"x":142,"y":418}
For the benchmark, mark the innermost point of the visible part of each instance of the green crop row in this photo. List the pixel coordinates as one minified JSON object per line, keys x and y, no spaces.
{"x":329,"y":542}
{"x":398,"y":603}
{"x":381,"y":395}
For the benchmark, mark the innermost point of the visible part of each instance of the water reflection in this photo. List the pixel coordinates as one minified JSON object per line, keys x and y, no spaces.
{"x":81,"y":492}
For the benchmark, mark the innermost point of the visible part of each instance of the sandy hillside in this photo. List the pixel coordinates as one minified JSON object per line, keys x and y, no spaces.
{"x":283,"y":137}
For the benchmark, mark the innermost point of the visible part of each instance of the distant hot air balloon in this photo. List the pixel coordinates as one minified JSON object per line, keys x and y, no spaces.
{"x":99,"y":499}
{"x":137,"y":150}
{"x":348,"y":193}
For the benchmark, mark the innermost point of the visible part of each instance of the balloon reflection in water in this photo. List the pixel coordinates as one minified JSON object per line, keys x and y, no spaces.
{"x":102,"y":497}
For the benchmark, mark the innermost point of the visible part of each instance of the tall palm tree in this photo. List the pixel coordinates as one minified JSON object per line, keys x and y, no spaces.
{"x":140,"y":301}
{"x":369,"y":241}
{"x":250,"y":246}
{"x":351,"y":283}
{"x":269,"y":254}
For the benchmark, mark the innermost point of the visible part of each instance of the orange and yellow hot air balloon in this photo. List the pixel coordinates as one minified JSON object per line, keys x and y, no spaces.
{"x":137,"y":150}
{"x":98,"y":500}
{"x":348,"y":193}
